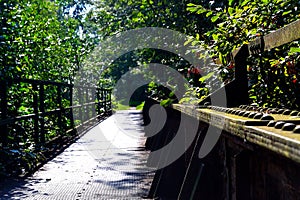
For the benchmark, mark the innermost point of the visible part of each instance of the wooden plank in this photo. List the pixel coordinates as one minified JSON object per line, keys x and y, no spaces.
{"x":274,"y":39}
{"x":282,"y":36}
{"x":277,"y":38}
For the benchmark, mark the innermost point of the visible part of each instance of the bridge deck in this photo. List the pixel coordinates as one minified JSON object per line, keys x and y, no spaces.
{"x":108,"y":162}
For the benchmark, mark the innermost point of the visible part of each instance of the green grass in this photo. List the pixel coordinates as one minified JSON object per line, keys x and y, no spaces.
{"x":140,"y":107}
{"x":120,"y":106}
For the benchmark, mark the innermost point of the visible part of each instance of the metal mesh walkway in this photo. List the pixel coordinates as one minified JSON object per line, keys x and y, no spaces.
{"x":108,"y":162}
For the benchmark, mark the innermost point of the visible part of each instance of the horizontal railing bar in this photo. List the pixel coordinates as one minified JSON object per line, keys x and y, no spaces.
{"x":88,"y":104}
{"x":75,"y":106}
{"x":33,"y":81}
{"x":22,"y":117}
{"x":282,"y":36}
{"x":11,"y":120}
{"x":274,"y":39}
{"x":85,"y":87}
{"x":277,"y":38}
{"x":84,"y":104}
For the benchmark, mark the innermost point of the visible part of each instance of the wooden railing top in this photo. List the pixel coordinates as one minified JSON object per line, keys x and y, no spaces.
{"x":274,"y":39}
{"x":281,"y":36}
{"x":254,"y":131}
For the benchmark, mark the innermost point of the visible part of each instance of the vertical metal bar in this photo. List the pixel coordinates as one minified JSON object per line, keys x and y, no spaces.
{"x":80,"y":103}
{"x":110,"y":107}
{"x":42,"y":116}
{"x":105,"y":102}
{"x":102,"y":99}
{"x":71,"y":87}
{"x":98,"y":101}
{"x":36,"y":112}
{"x":87,"y":107}
{"x":93,"y":91}
{"x":60,"y":110}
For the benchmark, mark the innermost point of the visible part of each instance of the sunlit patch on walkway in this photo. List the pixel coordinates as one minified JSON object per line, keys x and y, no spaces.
{"x":108,"y":162}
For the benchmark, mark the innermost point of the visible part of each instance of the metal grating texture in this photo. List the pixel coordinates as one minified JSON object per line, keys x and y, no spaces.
{"x":108,"y":162}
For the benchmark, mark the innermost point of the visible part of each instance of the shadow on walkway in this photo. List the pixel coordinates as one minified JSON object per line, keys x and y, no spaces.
{"x":108,"y":162}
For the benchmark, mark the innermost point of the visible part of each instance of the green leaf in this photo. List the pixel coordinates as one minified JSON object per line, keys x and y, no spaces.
{"x":172,"y":94}
{"x":286,"y":13}
{"x":166,"y":102}
{"x":245,"y":2}
{"x":192,"y":9}
{"x":200,"y":11}
{"x":191,"y":4}
{"x":294,"y":50}
{"x":140,"y":107}
{"x":196,"y":8}
{"x":18,"y":68}
{"x":230,"y":2}
{"x":209,"y":13}
{"x":215,"y":18}
{"x":215,"y":36}
{"x":195,"y":42}
{"x":230,"y":11}
{"x":188,"y":41}
{"x":206,"y":77}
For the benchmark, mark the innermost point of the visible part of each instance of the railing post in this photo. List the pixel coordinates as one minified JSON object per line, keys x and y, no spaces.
{"x":71,"y":87}
{"x":80,"y":105}
{"x":60,"y":109}
{"x":87,"y":107}
{"x":42,"y":116}
{"x":94,"y":99}
{"x":109,"y":99}
{"x":98,"y":101}
{"x":238,"y":95}
{"x":102,"y":99}
{"x":236,"y":91}
{"x":36,"y":112}
{"x":105,"y":102}
{"x":3,"y":96}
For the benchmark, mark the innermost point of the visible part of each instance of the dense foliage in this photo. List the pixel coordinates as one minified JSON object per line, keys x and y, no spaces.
{"x":39,"y":40}
{"x":50,"y":40}
{"x":219,"y":27}
{"x":113,"y":17}
{"x":274,"y":82}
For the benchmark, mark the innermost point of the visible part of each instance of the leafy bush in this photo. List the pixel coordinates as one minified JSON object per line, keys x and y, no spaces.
{"x":274,"y":81}
{"x":38,"y":40}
